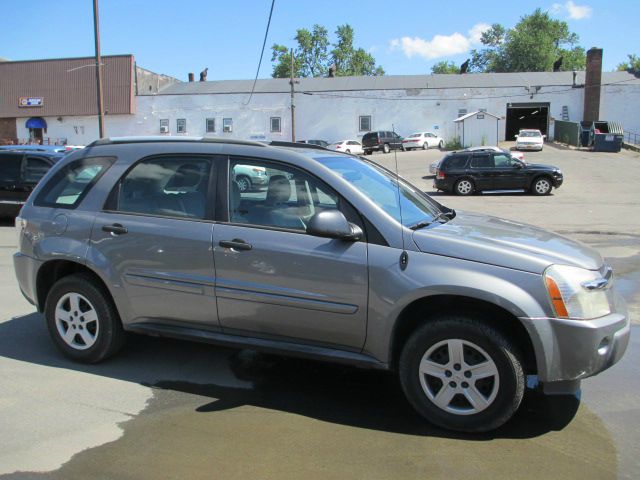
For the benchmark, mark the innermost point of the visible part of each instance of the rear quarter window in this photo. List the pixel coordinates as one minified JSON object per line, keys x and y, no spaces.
{"x":67,"y":187}
{"x":10,"y":167}
{"x":455,"y":163}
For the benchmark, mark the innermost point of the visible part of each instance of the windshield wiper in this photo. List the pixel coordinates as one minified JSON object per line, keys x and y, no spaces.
{"x":446,"y":216}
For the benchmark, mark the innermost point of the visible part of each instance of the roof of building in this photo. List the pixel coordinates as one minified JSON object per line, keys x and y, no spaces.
{"x":469,"y":115}
{"x":394,"y":82}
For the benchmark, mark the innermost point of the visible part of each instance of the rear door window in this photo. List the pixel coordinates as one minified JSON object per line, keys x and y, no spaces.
{"x":482,"y":161}
{"x":175,"y":186}
{"x":35,"y":168}
{"x":10,"y":167}
{"x":70,"y":185}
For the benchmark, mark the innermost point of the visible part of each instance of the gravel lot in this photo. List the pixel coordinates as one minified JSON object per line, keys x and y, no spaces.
{"x":171,"y":409}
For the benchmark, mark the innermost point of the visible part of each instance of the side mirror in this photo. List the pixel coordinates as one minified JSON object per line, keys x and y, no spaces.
{"x":333,"y":224}
{"x":517,"y":165}
{"x":544,"y":136}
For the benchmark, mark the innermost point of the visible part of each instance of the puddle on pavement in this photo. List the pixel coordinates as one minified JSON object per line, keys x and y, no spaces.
{"x":303,"y":419}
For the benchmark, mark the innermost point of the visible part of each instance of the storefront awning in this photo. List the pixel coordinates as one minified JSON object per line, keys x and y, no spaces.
{"x":36,"y":122}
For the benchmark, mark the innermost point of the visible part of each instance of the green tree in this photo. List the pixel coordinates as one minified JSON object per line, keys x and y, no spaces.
{"x":533,"y":45}
{"x":313,"y":59}
{"x":445,"y":67}
{"x":632,"y":63}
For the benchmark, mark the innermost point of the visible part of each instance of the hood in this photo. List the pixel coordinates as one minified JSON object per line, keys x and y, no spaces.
{"x":496,"y":241}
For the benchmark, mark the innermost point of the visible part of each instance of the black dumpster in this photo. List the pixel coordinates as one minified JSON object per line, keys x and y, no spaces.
{"x":607,"y":136}
{"x":586,"y":133}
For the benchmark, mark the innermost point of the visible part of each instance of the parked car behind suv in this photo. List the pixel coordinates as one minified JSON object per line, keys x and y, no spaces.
{"x":154,"y":236}
{"x":382,"y":141}
{"x":530,"y":140}
{"x":465,"y":172}
{"x":20,"y":171}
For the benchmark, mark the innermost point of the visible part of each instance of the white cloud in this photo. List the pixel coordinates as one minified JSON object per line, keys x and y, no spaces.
{"x":573,"y":11}
{"x":439,"y":45}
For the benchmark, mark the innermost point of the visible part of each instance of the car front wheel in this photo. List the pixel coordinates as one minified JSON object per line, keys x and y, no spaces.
{"x":541,"y":186}
{"x":461,"y":374}
{"x":82,"y":319}
{"x":244,"y":184}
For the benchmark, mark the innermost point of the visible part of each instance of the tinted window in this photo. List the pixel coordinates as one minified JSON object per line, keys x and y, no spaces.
{"x":35,"y":169}
{"x":290,"y":198}
{"x":69,"y":186}
{"x":502,"y":160}
{"x":482,"y":161}
{"x":455,"y":162}
{"x":10,"y":167}
{"x":168,"y":186}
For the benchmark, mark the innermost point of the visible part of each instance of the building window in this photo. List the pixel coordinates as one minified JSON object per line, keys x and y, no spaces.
{"x":275,"y":124}
{"x":462,"y":112}
{"x":365,"y":123}
{"x":211,"y":125}
{"x":484,"y":110}
{"x":181,"y":125}
{"x":164,"y":125}
{"x":227,"y":125}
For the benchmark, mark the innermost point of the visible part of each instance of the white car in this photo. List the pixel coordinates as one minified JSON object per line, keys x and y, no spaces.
{"x":530,"y":140}
{"x":422,"y":140}
{"x":513,"y":153}
{"x":347,"y":146}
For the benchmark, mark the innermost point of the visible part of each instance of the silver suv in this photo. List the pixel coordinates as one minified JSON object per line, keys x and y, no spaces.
{"x":336,"y":259}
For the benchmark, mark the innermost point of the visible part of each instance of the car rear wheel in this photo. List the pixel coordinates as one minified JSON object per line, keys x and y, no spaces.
{"x":441,"y":145}
{"x":463,"y":187}
{"x":425,"y":145}
{"x":244,"y":183}
{"x":82,"y":320}
{"x":461,"y":374}
{"x":385,"y":148}
{"x":541,"y":186}
{"x":347,"y":151}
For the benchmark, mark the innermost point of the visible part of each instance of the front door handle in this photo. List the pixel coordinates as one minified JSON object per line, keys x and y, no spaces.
{"x":236,"y":244}
{"x":116,"y":229}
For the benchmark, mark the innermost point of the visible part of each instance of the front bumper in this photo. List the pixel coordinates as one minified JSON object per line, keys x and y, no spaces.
{"x":571,"y":350}
{"x":529,"y":146}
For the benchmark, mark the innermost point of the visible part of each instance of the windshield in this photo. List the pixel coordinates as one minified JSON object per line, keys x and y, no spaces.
{"x":529,"y":134}
{"x":381,"y":187}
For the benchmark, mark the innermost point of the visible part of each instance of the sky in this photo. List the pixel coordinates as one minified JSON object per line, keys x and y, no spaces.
{"x":406,"y":37}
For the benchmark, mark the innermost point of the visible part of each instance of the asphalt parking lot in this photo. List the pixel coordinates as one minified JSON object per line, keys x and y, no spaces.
{"x":171,"y":409}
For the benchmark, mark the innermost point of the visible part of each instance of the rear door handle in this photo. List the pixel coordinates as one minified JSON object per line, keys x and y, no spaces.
{"x":236,"y":244}
{"x":116,"y":229}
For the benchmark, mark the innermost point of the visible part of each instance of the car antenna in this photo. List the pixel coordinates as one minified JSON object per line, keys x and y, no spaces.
{"x":404,"y":256}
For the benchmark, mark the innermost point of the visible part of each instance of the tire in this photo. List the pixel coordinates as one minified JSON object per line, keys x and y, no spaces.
{"x":347,"y":151}
{"x":95,"y":339}
{"x":403,"y":148}
{"x":244,"y":183}
{"x":464,"y":187}
{"x":367,"y":152}
{"x":541,"y":186}
{"x":468,"y":405}
{"x":425,"y":145}
{"x":441,"y":145}
{"x":385,"y":148}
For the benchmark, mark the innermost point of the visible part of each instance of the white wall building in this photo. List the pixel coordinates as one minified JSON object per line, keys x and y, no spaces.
{"x":331,"y":108}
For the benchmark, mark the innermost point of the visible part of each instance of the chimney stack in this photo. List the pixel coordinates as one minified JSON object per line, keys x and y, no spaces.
{"x":191,"y":77}
{"x":592,"y":83}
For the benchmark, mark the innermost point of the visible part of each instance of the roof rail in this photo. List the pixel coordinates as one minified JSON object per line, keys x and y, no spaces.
{"x":168,"y":139}
{"x":278,"y":143}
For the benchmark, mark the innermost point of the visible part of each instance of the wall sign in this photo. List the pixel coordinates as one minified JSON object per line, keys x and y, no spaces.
{"x":30,"y":102}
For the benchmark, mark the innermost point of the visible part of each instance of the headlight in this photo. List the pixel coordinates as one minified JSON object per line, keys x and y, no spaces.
{"x":577,"y":293}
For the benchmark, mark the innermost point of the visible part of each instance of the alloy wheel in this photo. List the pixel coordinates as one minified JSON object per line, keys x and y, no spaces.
{"x":459,"y":377}
{"x":76,"y":320}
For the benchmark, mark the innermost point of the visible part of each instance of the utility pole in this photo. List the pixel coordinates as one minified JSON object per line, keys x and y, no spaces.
{"x":293,"y":104}
{"x":96,"y":30}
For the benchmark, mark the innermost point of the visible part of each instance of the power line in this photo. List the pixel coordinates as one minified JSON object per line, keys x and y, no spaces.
{"x":264,"y":42}
{"x":440,"y":99}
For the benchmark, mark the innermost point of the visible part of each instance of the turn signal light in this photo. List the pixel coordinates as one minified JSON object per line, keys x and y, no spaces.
{"x":556,"y":298}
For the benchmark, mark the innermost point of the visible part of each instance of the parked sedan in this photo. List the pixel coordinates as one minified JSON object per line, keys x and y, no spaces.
{"x":530,"y":140}
{"x":513,"y":153}
{"x":422,"y":140}
{"x":347,"y":146}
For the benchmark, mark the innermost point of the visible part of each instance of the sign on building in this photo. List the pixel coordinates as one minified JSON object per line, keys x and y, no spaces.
{"x":30,"y":102}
